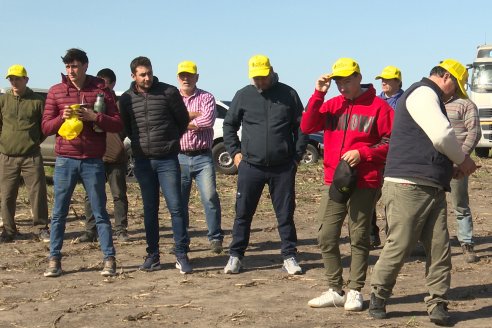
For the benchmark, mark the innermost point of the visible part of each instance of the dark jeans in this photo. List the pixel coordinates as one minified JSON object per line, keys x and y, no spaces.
{"x":116,"y":178}
{"x":164,"y":173}
{"x":250,"y":183}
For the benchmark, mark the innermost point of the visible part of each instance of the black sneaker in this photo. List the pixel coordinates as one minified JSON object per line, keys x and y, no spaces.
{"x":109,"y":267}
{"x":54,"y":268}
{"x":152,"y":263}
{"x":88,"y":237}
{"x":377,"y":307}
{"x":6,"y":238}
{"x":183,"y":264}
{"x":216,"y":246}
{"x":375,"y":241}
{"x":440,"y":315}
{"x":44,"y":235}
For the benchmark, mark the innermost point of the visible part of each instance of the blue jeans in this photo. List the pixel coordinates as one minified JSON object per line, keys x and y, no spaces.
{"x":164,"y":173}
{"x":250,"y":183}
{"x":201,"y":168}
{"x":116,"y":178}
{"x":461,"y":207}
{"x":68,"y":171}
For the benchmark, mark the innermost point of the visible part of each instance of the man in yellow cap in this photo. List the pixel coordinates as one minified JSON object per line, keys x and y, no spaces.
{"x":391,"y":83}
{"x":419,"y":168}
{"x":21,"y":112}
{"x":195,"y":156}
{"x":357,"y":127}
{"x":270,"y":149}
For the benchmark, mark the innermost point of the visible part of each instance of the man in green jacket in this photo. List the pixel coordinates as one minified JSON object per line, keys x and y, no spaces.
{"x":21,"y":111}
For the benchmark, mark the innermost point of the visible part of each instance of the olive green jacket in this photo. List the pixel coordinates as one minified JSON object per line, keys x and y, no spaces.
{"x":20,"y":123}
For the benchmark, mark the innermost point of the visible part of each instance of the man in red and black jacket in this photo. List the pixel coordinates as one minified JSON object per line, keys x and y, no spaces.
{"x":357,"y":127}
{"x":80,"y":158}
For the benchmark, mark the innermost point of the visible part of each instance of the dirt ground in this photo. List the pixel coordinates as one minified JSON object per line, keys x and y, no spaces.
{"x":261,"y":296}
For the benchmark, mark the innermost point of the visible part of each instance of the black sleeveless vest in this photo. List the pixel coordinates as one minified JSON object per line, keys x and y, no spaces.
{"x":411,"y":153}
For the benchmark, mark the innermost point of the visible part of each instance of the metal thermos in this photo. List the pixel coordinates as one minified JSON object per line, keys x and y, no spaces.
{"x":99,"y":107}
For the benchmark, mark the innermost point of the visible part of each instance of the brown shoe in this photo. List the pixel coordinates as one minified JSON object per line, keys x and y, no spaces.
{"x":469,"y":253}
{"x":109,"y":268}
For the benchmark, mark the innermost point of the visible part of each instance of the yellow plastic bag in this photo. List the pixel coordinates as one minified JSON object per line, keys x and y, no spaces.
{"x":71,"y":128}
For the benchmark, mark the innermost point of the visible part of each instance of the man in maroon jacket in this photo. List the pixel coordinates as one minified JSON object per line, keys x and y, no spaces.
{"x":80,"y":158}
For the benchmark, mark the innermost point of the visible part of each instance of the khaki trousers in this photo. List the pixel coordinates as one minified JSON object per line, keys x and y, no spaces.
{"x":32,"y":170}
{"x":331,"y":216}
{"x":414,"y":212}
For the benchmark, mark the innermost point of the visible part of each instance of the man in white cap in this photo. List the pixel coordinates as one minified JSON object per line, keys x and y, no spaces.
{"x":195,"y":156}
{"x":270,"y":149}
{"x":21,"y":112}
{"x":419,"y":168}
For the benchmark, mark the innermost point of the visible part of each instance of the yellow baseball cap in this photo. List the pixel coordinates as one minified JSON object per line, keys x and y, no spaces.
{"x":390,"y":72}
{"x":456,"y":69}
{"x":16,"y":70}
{"x":259,"y":65}
{"x":187,"y":67}
{"x":344,"y":67}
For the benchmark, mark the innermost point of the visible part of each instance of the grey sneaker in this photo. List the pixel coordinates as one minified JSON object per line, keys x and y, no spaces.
{"x":109,"y":267}
{"x":122,"y":236}
{"x":44,"y":235}
{"x":152,"y":263}
{"x":291,"y":266}
{"x":88,"y":237}
{"x":469,"y":253}
{"x":54,"y":268}
{"x":233,"y":265}
{"x":183,"y":264}
{"x":216,"y":246}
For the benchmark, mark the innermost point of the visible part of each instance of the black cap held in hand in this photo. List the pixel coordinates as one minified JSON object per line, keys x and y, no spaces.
{"x":344,"y":182}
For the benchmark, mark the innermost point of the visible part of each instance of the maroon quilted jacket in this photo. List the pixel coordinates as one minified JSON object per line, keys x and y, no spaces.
{"x":88,"y":144}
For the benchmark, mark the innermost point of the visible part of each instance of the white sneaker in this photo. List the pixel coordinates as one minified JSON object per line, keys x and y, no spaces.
{"x":327,"y":299}
{"x":233,"y":265}
{"x":291,"y":266}
{"x":354,"y":301}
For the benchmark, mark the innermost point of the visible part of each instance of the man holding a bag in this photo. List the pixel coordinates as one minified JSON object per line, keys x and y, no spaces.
{"x":357,"y":127}
{"x":80,"y":156}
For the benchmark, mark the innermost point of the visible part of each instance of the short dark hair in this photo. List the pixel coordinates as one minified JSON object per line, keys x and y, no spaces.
{"x":108,"y":74}
{"x":140,"y":61}
{"x":438,"y":70}
{"x":74,"y":54}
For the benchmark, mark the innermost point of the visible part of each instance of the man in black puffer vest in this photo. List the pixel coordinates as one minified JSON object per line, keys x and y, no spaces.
{"x":155,"y":118}
{"x":419,"y":168}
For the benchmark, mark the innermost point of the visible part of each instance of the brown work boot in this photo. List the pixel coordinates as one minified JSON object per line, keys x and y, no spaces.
{"x":469,"y":254}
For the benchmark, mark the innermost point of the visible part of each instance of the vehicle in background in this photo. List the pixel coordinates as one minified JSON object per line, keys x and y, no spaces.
{"x":224,"y":162}
{"x":480,"y":92}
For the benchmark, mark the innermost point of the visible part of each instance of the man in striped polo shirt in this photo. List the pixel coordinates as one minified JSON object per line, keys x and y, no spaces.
{"x":463,"y":115}
{"x":195,"y":157}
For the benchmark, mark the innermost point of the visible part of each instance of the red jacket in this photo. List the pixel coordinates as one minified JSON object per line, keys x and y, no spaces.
{"x":88,"y":144}
{"x":370,"y":120}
